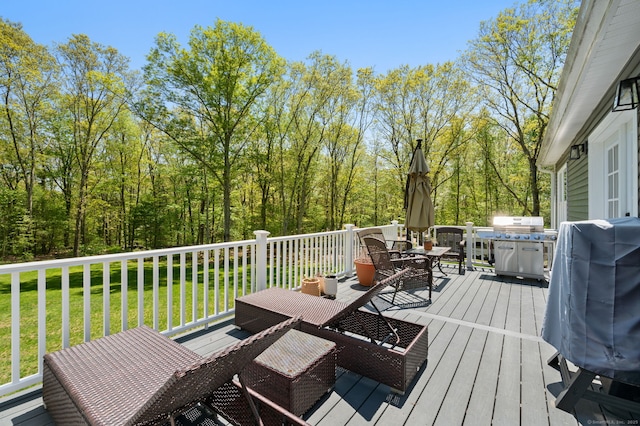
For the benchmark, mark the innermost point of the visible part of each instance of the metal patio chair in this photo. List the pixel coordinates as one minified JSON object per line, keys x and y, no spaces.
{"x":397,"y":247}
{"x":452,"y":237}
{"x":418,"y":275}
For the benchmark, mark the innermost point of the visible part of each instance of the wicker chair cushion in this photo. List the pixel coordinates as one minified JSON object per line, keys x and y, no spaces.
{"x":112,"y":378}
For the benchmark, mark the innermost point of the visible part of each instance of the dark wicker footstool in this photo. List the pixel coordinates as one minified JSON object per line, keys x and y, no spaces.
{"x":294,"y":372}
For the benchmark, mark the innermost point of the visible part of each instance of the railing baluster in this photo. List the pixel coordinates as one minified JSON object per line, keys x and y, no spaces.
{"x":15,"y":327}
{"x":216,"y":279}
{"x":194,"y":286}
{"x":226,"y":278}
{"x":290,"y":255}
{"x":296,"y":267}
{"x":183,"y":289}
{"x":244,"y":269}
{"x":235,"y":272}
{"x":205,"y":283}
{"x":42,"y":316}
{"x":254,"y":268}
{"x":65,"y":307}
{"x":106,"y":299}
{"x":276,"y":247}
{"x":124,"y":293}
{"x":86,"y":296}
{"x":140,"y":291}
{"x":170,"y":292}
{"x":156,"y":293}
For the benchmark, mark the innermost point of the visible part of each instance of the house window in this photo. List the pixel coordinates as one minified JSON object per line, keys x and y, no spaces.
{"x":613,"y":181}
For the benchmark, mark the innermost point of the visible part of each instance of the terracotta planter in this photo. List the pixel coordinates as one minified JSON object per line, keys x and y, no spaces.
{"x":365,"y":272}
{"x":428,"y":245}
{"x":311,"y":286}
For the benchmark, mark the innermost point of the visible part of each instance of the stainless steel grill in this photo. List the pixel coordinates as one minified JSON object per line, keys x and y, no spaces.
{"x":518,"y":245}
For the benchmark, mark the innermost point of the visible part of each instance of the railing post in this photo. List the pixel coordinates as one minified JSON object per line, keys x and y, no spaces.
{"x":471,"y":248}
{"x":396,"y":234}
{"x":261,"y":259}
{"x":348,"y":250}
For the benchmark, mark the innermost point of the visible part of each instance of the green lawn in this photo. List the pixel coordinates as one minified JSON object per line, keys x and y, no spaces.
{"x":29,"y":307}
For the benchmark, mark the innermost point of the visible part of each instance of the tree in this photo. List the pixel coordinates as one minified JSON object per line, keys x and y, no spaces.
{"x":317,"y":108}
{"x":360,"y":120}
{"x":430,"y":102}
{"x":516,"y":62}
{"x":27,"y":86}
{"x":96,"y":79}
{"x":205,"y":95}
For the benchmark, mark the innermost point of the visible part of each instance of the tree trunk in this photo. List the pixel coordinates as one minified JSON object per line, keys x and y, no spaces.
{"x":79,"y":214}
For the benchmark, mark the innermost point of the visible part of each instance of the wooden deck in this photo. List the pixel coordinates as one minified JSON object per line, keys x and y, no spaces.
{"x":486,"y":365}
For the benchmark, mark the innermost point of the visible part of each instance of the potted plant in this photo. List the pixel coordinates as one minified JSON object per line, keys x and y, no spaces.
{"x":364,"y":269}
{"x":311,"y":285}
{"x":330,"y":287}
{"x":429,"y":243}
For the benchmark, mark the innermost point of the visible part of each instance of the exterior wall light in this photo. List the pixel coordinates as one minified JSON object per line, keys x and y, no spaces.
{"x":626,"y":95}
{"x":577,"y":150}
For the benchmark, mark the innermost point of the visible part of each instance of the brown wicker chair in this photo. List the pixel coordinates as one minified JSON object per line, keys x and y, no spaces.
{"x":141,"y":377}
{"x":452,"y":237}
{"x":388,"y":350}
{"x":397,"y":246}
{"x":418,"y":275}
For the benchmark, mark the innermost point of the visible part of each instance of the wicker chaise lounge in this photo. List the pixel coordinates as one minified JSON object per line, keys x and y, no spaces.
{"x":140,"y":377}
{"x":388,"y":350}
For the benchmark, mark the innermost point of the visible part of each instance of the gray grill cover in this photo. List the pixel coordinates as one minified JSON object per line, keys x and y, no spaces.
{"x":593,"y":311}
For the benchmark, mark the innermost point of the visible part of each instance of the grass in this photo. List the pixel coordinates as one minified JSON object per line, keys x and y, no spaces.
{"x":29,"y":307}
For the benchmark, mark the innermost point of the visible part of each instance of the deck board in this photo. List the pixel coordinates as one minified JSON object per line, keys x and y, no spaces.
{"x":481,"y":404}
{"x":427,"y":408}
{"x":486,"y":363}
{"x":507,"y":407}
{"x":461,"y":386}
{"x":534,"y":403}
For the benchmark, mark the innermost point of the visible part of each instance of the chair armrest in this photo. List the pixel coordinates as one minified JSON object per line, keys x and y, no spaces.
{"x":416,"y":262}
{"x":394,"y":254}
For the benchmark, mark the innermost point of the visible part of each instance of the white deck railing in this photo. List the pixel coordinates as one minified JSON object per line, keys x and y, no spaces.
{"x":171,"y":290}
{"x":80,"y":299}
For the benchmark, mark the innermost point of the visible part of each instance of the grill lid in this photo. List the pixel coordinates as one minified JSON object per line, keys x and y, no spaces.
{"x":518,"y":224}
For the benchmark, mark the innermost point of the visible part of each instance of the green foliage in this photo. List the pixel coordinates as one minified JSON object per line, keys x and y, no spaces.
{"x":223,"y":137}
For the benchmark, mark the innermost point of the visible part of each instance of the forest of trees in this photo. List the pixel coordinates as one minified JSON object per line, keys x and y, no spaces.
{"x":220,"y":137}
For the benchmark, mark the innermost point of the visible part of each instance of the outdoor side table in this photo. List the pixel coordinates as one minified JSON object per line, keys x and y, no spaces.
{"x":294,"y":372}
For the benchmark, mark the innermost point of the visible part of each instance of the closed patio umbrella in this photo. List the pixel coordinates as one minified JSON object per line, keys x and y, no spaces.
{"x":417,"y":197}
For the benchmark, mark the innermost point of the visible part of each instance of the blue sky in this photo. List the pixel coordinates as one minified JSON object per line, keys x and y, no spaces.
{"x":381,"y":34}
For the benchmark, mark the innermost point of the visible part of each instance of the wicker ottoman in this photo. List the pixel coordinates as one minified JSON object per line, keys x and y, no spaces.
{"x":294,"y":372}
